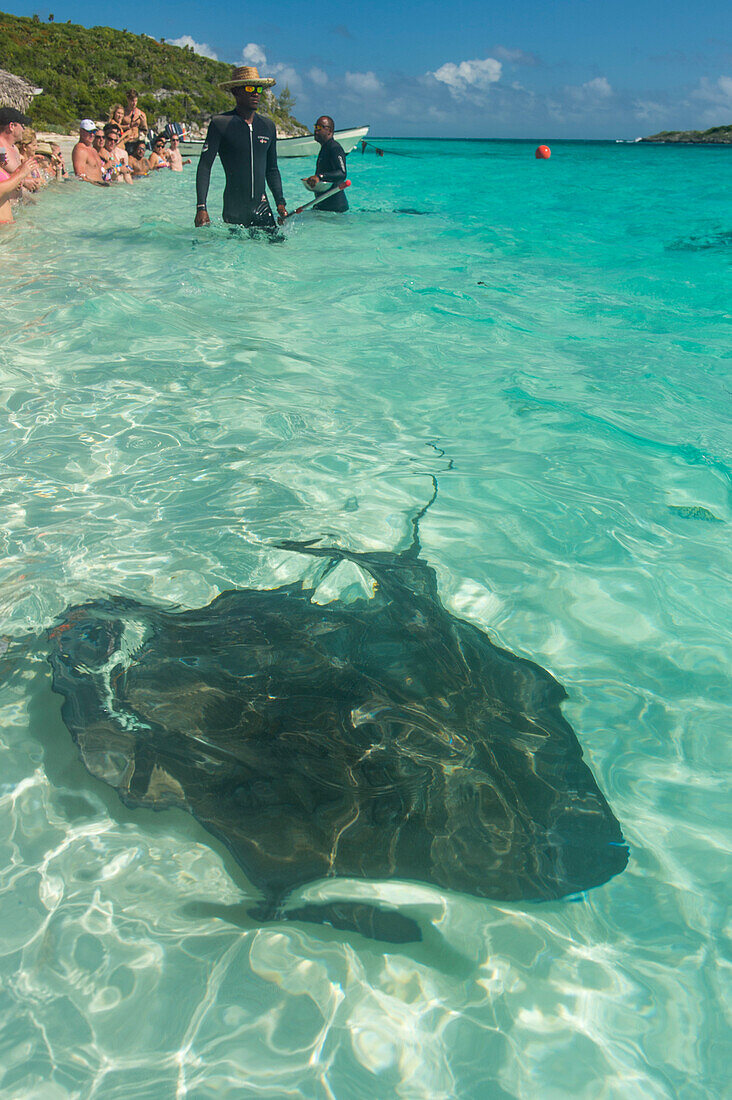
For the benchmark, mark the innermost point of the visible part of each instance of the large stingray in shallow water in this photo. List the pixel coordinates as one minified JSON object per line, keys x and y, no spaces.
{"x":384,"y":739}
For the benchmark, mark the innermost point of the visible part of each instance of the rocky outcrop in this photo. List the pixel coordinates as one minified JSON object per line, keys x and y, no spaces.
{"x":717,"y":135}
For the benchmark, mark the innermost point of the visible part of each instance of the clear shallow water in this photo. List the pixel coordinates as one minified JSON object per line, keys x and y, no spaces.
{"x":175,"y":401}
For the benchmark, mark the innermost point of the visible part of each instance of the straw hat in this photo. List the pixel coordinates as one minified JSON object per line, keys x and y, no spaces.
{"x":246,"y":74}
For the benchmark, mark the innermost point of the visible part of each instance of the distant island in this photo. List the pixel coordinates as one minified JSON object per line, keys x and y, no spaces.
{"x":82,"y":71}
{"x":717,"y":135}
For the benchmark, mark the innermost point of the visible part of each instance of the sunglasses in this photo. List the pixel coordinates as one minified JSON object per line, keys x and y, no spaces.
{"x":258,"y":88}
{"x":320,"y":126}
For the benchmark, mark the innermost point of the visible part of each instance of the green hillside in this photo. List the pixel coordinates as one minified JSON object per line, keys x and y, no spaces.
{"x":84,"y":70}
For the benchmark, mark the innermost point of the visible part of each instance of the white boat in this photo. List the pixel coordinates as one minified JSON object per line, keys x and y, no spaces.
{"x":305,"y":146}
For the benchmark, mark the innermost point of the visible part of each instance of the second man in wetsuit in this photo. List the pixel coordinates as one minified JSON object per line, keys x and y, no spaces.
{"x":331,"y":165}
{"x":247,"y":145}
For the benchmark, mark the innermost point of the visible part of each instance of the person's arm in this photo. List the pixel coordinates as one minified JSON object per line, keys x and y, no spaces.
{"x":273,"y":177}
{"x":14,"y":180}
{"x":203,"y":174}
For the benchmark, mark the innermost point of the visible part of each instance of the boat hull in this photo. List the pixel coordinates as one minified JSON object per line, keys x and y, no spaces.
{"x":305,"y":146}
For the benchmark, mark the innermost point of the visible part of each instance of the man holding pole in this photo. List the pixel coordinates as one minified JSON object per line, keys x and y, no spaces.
{"x":246,"y":142}
{"x":331,"y":165}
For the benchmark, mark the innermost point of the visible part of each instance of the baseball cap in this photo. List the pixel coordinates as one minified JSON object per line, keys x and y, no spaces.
{"x":87,"y":124}
{"x":9,"y":114}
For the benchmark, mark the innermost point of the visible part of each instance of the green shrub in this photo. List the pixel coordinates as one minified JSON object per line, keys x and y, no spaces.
{"x":84,"y":70}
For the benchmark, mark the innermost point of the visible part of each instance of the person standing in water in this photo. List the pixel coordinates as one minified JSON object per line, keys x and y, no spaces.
{"x":331,"y":165}
{"x":246,"y":142}
{"x":134,"y":119}
{"x":86,"y":160}
{"x":175,"y":157}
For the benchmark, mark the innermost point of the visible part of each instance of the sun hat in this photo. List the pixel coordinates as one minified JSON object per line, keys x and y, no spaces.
{"x":246,"y":74}
{"x":87,"y":124}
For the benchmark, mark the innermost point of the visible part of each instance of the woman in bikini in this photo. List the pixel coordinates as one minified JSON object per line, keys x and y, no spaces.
{"x":117,"y":114}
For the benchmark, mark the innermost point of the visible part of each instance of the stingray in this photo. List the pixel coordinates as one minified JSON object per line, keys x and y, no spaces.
{"x":720,"y":240}
{"x":383,"y":739}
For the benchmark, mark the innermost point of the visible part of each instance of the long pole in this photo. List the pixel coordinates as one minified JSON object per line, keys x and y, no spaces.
{"x":326,"y":195}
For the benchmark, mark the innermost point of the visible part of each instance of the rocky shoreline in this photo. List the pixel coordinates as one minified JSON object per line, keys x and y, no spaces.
{"x":717,"y":135}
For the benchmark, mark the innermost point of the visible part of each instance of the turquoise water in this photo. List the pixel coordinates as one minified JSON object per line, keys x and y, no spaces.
{"x":175,"y":401}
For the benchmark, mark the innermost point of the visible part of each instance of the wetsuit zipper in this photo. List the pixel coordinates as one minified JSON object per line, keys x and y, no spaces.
{"x":251,"y":153}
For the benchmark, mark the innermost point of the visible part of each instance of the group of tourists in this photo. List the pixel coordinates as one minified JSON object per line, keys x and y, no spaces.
{"x":26,"y":165}
{"x":102,"y":156}
{"x":119,"y":150}
{"x":122,"y":149}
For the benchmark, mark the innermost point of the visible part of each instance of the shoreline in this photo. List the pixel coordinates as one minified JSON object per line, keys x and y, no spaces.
{"x":66,"y":141}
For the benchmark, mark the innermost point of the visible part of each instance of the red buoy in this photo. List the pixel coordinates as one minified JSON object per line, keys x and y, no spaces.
{"x":543,"y":152}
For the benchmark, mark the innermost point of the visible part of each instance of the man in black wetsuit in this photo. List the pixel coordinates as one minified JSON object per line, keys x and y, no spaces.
{"x":331,"y":166}
{"x":247,"y":145}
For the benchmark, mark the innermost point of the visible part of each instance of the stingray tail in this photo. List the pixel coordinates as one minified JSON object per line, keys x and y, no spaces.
{"x":414,"y":549}
{"x":335,"y":554}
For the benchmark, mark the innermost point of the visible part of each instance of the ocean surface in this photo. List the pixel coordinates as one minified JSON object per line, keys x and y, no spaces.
{"x":176,"y":401}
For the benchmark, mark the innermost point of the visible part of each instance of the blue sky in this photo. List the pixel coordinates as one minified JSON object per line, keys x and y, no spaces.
{"x":464,"y":68}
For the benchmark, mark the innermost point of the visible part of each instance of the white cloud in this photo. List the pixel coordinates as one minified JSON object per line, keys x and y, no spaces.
{"x":648,"y":109}
{"x":469,"y":75}
{"x":197,"y":47}
{"x":599,"y":87}
{"x":318,"y":76}
{"x":719,"y":93}
{"x":254,"y":54}
{"x":592,"y":90}
{"x":363,"y":82}
{"x":286,"y":75}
